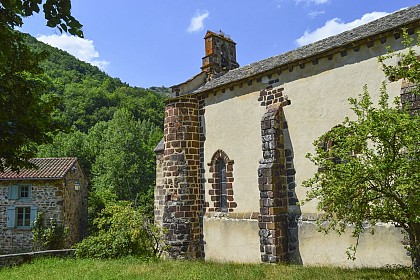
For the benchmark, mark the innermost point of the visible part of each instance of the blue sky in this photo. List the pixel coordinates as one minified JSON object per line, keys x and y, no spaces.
{"x":153,"y":43}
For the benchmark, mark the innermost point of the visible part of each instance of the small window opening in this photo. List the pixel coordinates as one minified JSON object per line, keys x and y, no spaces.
{"x":221,"y":176}
{"x":24,"y":191}
{"x":23,"y":217}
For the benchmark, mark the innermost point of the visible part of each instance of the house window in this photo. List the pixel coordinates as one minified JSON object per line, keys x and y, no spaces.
{"x":24,"y":191}
{"x":21,"y":216}
{"x":221,"y":183}
{"x":334,"y":150}
{"x":20,"y":192}
{"x":327,"y":146}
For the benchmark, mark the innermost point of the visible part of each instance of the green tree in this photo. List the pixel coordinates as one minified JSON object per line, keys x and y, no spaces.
{"x":124,"y":164}
{"x":26,"y":116}
{"x":408,"y":67}
{"x":73,"y":143}
{"x":371,"y":172}
{"x":57,"y":14}
{"x":114,"y":129}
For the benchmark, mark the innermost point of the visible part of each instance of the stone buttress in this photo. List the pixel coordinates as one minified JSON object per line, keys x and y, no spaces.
{"x":181,"y":165}
{"x":272,"y":182}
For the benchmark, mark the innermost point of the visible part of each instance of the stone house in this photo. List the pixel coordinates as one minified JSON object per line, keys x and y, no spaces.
{"x":231,"y":164}
{"x":57,"y":187}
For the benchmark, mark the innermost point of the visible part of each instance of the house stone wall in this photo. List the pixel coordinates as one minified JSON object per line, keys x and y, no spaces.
{"x":57,"y":199}
{"x":75,"y":204}
{"x":47,"y":196}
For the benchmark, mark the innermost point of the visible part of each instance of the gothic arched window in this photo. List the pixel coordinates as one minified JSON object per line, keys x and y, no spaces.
{"x":221,"y":182}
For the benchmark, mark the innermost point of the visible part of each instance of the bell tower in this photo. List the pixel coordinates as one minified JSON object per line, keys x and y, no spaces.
{"x":220,"y":53}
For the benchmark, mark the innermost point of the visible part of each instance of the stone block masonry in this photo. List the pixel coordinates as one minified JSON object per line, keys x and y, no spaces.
{"x":46,"y":195}
{"x":181,"y":179}
{"x":409,"y":99}
{"x":272,"y":182}
{"x":56,"y":199}
{"x":216,"y":193}
{"x":272,"y":95}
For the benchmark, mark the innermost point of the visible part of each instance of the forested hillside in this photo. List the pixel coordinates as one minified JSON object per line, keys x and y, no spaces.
{"x":110,"y":126}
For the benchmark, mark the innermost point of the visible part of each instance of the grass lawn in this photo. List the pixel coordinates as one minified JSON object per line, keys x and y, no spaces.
{"x":132,"y":268}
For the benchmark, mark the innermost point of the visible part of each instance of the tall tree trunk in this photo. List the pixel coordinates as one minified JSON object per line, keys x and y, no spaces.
{"x":415,"y":257}
{"x":414,"y":234}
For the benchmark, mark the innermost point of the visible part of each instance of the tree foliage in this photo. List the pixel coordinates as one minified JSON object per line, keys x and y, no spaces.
{"x":48,"y":235}
{"x":117,"y":155}
{"x":114,"y":129}
{"x":26,"y":115}
{"x":408,"y":63}
{"x":88,"y":95}
{"x":125,"y":161}
{"x":61,"y":106}
{"x":370,"y":171}
{"x":57,"y":14}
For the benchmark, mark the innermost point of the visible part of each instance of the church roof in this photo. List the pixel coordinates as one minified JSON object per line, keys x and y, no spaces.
{"x":344,"y":40}
{"x":46,"y":168}
{"x":160,"y":146}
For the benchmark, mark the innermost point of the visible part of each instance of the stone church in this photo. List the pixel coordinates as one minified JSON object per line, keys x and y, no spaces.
{"x":232,"y":161}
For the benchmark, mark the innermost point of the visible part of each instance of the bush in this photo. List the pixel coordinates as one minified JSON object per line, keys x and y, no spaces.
{"x":122,"y":231}
{"x":48,"y":236}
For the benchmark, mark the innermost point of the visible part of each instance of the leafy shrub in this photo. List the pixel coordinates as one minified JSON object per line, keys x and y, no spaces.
{"x":122,"y":231}
{"x":48,"y":236}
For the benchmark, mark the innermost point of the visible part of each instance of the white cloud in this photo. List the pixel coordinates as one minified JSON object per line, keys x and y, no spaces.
{"x":308,"y":2}
{"x":81,"y":48}
{"x":197,"y":21}
{"x":279,"y":3}
{"x":335,"y":26}
{"x":318,"y":2}
{"x":314,"y":14}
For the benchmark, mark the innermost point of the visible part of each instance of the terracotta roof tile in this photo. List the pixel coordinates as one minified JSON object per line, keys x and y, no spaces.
{"x":48,"y":168}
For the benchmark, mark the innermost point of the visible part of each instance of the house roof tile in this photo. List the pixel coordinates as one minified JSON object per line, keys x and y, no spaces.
{"x":47,"y":168}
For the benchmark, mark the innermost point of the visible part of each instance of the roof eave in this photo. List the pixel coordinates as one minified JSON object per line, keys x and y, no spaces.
{"x":387,"y":25}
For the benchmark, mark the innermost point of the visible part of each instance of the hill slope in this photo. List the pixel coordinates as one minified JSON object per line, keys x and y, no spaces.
{"x":89,"y":95}
{"x":113,"y":128}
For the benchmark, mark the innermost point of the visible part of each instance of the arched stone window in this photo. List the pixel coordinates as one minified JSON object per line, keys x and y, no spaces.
{"x":221,"y":192}
{"x":329,"y":145}
{"x":221,"y":181}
